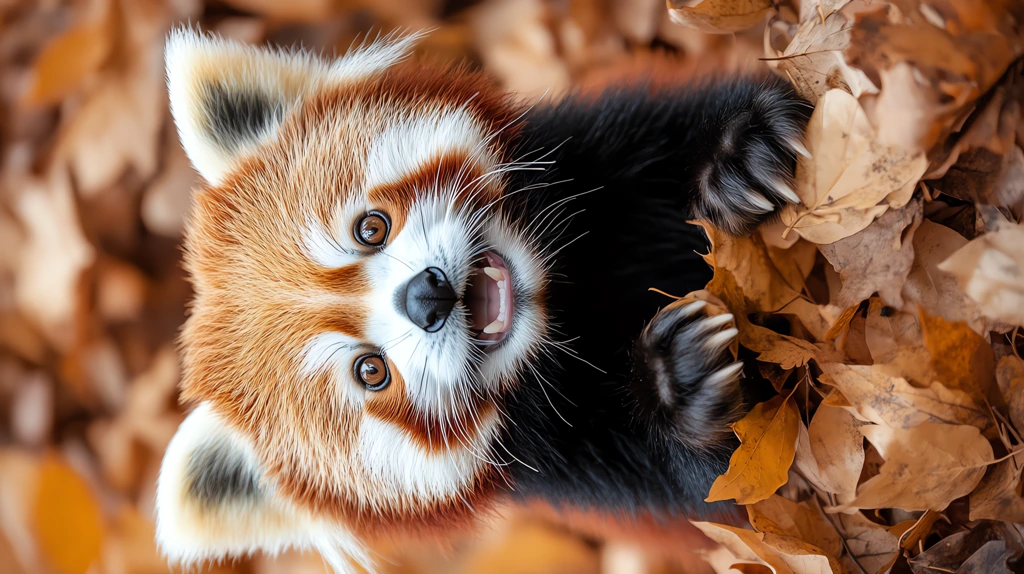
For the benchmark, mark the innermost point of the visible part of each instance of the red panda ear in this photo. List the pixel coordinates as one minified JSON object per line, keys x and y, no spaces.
{"x":214,"y":502}
{"x":227,"y":97}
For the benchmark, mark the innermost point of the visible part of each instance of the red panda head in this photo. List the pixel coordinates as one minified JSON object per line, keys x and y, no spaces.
{"x":361,"y":301}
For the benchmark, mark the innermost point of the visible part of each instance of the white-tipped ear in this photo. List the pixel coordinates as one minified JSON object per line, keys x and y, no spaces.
{"x":213,"y":502}
{"x":227,"y":97}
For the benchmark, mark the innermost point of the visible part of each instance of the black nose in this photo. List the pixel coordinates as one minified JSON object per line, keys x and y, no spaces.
{"x":427,"y":299}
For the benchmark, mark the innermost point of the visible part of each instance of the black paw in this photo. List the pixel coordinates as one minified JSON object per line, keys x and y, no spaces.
{"x":752,"y":140}
{"x":685,"y":378}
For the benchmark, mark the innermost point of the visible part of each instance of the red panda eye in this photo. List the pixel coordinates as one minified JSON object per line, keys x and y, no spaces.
{"x":372,"y":371}
{"x":372,"y":229}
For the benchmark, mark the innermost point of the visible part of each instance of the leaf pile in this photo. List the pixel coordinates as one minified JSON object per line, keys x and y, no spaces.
{"x":884,"y":308}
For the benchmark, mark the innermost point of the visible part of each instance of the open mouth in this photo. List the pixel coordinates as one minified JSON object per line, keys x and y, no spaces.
{"x":489,"y":299}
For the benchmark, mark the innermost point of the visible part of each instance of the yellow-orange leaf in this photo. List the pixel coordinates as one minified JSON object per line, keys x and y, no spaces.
{"x":71,"y":57}
{"x":761,"y":464}
{"x":69,"y":527}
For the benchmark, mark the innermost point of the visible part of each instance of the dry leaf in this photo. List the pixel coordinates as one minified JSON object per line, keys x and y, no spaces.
{"x":68,"y":523}
{"x":997,"y":496}
{"x":926,"y":467}
{"x":830,"y":451}
{"x":871,"y":546}
{"x":877,"y":258}
{"x":814,"y":59}
{"x":761,"y":464}
{"x":73,"y":56}
{"x":718,"y":16}
{"x":961,"y":358}
{"x":803,"y":521}
{"x":842,"y":188}
{"x":1010,"y":376}
{"x":934,"y":289}
{"x":53,"y":258}
{"x":981,"y":550}
{"x":886,"y":400}
{"x":990,"y":269}
{"x":782,"y":554}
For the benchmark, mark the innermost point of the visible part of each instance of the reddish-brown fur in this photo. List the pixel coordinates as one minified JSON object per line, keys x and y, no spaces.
{"x":260,"y":299}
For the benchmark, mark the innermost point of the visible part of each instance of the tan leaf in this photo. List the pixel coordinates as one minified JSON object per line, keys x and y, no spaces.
{"x":934,"y":289}
{"x":843,"y":188}
{"x":804,"y":521}
{"x":872,"y":546}
{"x":892,"y":401}
{"x":68,"y":524}
{"x":877,"y":258}
{"x":814,"y":61}
{"x":833,"y":450}
{"x":961,"y":358}
{"x":761,"y":464}
{"x":1010,"y":376}
{"x":996,"y":497}
{"x":782,"y":554}
{"x":926,"y":467}
{"x":888,"y":332}
{"x":990,"y":269}
{"x":73,"y":56}
{"x":53,"y":258}
{"x":718,"y":16}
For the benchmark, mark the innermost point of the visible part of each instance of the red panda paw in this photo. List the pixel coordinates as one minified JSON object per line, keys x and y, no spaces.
{"x":685,"y":378}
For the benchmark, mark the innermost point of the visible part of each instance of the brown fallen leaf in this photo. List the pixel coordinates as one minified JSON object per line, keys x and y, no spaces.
{"x":782,"y":554}
{"x":870,"y":546}
{"x":718,"y":16}
{"x":830,"y":451}
{"x":54,"y":256}
{"x":961,"y":358}
{"x":877,"y":258}
{"x":960,"y":552}
{"x":926,"y":467}
{"x":888,"y":332}
{"x":761,"y":464}
{"x":852,"y":179}
{"x":935,"y":290}
{"x":887,"y":400}
{"x":804,"y":521}
{"x":814,"y":61}
{"x":68,"y":523}
{"x":912,"y":533}
{"x":990,"y":269}
{"x":70,"y":58}
{"x":1010,"y":377}
{"x":997,"y":496}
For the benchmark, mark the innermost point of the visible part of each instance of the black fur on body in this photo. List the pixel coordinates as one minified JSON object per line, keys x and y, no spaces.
{"x":631,"y":424}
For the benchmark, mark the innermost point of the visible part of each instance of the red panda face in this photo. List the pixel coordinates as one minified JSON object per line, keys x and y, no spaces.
{"x":361,"y":300}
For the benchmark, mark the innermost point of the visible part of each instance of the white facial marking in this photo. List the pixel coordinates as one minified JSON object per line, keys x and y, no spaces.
{"x":398,"y":464}
{"x":412,"y":143}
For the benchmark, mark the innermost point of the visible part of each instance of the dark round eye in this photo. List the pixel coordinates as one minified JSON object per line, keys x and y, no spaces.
{"x":372,"y":229}
{"x":372,"y":371}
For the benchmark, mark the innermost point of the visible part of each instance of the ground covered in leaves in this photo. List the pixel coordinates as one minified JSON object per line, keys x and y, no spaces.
{"x":884,"y":309}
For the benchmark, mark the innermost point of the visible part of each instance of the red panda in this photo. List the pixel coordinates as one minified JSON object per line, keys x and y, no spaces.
{"x":415,"y":296}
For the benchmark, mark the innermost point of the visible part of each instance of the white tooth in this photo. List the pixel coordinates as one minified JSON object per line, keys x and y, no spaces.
{"x":494,"y":273}
{"x":798,"y":147}
{"x":720,"y":339}
{"x":758,"y":201}
{"x":501,"y":300}
{"x":785,"y":191}
{"x":494,"y":327}
{"x":725,"y":374}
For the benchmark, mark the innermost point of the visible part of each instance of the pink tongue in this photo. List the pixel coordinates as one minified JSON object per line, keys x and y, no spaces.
{"x":484,"y":299}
